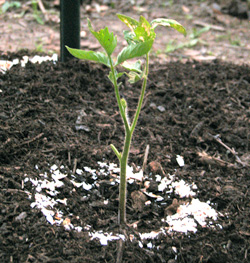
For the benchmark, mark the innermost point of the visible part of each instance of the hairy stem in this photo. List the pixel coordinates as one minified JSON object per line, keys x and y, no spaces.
{"x":118,"y":98}
{"x":123,"y":179}
{"x":144,"y":84}
{"x":123,"y":158}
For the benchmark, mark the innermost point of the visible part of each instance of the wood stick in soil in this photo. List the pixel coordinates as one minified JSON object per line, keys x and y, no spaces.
{"x":120,"y":247}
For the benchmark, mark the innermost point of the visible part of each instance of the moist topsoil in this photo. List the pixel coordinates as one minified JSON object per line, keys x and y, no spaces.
{"x":66,"y":114}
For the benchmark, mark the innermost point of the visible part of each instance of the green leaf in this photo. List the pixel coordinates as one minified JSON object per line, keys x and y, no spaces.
{"x":119,"y":155}
{"x":141,"y":31}
{"x":144,"y":31}
{"x":134,"y":50}
{"x":197,"y":33}
{"x":129,"y":36}
{"x":6,"y":5}
{"x":117,"y":76}
{"x":89,"y":55}
{"x":191,"y":43}
{"x":39,"y":20}
{"x":133,"y":77}
{"x":129,"y":21}
{"x":124,"y":104}
{"x":107,"y":40}
{"x":144,"y":23}
{"x":169,"y":22}
{"x":142,"y":34}
{"x":135,"y":67}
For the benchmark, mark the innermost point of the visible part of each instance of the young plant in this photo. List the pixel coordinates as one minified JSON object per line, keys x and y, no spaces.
{"x":7,"y":5}
{"x":140,"y":40}
{"x":36,"y":12}
{"x":193,"y":40}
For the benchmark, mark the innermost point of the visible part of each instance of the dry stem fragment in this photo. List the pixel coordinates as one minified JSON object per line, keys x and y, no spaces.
{"x":205,"y":158}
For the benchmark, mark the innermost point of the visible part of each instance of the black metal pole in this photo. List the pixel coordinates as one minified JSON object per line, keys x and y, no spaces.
{"x":69,"y":27}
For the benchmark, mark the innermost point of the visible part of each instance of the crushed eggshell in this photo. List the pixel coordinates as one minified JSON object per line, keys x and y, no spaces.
{"x":136,"y":176}
{"x":180,"y":160}
{"x":150,"y":235}
{"x":152,"y":195}
{"x":188,"y":214}
{"x":66,"y":221}
{"x":105,"y":237}
{"x":164,"y":183}
{"x":184,"y":219}
{"x":183,"y":189}
{"x":6,"y":64}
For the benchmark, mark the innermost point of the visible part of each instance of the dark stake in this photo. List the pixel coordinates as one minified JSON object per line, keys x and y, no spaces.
{"x":69,"y":27}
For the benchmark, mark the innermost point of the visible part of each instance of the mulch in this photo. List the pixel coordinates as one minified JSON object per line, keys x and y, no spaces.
{"x":66,"y":114}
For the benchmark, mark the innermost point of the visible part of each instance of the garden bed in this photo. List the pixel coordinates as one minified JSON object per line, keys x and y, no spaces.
{"x":56,"y":124}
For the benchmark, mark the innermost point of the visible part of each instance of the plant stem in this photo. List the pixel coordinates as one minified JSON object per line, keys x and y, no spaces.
{"x":123,"y":179}
{"x":118,"y":98}
{"x":144,"y":84}
{"x":124,"y":157}
{"x":128,"y":137}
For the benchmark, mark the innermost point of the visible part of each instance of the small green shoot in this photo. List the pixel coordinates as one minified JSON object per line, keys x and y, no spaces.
{"x":140,"y":39}
{"x":197,"y":33}
{"x":193,"y":40}
{"x":39,"y":46}
{"x":234,"y":41}
{"x":8,"y":5}
{"x":36,"y":12}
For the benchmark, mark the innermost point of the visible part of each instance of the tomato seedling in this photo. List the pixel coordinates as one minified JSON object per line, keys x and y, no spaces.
{"x":140,"y":39}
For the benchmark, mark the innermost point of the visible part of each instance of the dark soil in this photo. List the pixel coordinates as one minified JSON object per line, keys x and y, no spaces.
{"x":203,"y":103}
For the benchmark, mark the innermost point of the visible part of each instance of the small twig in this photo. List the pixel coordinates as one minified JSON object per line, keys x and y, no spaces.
{"x":42,"y":8}
{"x":196,"y":129}
{"x":236,"y":47}
{"x":234,"y":153}
{"x":216,"y":138}
{"x":69,"y":158}
{"x":10,"y":190}
{"x":203,"y":24}
{"x":145,"y":158}
{"x":205,"y":158}
{"x":245,"y":256}
{"x":75,"y":164}
{"x":120,"y":245}
{"x":31,"y":140}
